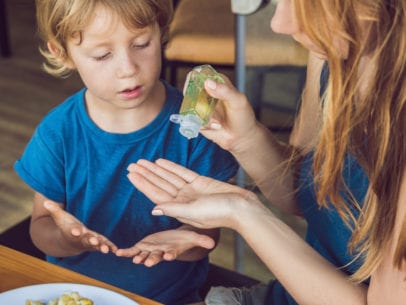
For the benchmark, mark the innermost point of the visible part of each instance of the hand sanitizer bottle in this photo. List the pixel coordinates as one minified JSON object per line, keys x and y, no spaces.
{"x":197,"y":106}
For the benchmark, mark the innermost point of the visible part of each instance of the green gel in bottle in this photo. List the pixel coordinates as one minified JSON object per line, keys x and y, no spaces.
{"x":197,"y":106}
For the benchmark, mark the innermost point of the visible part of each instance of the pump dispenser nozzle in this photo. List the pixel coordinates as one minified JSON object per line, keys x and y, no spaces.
{"x":189,"y":124}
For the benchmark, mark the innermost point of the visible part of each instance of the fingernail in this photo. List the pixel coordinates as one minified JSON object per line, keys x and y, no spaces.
{"x":211,"y":84}
{"x":157,"y":212}
{"x":215,"y":126}
{"x":48,"y":205}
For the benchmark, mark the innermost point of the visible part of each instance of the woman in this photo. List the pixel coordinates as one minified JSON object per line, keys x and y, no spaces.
{"x":344,"y":169}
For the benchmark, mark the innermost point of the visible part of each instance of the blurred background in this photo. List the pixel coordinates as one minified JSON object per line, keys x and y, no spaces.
{"x":27,"y":93}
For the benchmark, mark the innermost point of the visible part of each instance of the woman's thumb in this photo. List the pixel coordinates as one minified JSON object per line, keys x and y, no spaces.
{"x":224,"y":92}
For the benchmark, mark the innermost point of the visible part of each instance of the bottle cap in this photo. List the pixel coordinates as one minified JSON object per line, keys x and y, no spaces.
{"x":189,"y":124}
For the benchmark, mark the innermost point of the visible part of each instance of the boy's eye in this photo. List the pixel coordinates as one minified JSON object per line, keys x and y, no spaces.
{"x":141,"y":46}
{"x":103,"y":57}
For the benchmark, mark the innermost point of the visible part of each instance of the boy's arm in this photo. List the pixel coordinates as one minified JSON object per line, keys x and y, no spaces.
{"x":185,"y":243}
{"x":58,"y":233}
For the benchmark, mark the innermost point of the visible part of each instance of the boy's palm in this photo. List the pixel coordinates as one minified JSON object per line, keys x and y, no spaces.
{"x":165,"y":246}
{"x":76,"y":232}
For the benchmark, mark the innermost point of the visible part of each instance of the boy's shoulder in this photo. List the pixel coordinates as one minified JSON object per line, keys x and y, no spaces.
{"x":64,"y":113}
{"x":69,"y":104}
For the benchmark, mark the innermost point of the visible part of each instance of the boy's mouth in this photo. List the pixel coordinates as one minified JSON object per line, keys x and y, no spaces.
{"x":131,"y":92}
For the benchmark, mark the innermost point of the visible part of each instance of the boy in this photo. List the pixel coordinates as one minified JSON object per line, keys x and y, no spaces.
{"x":85,"y":208}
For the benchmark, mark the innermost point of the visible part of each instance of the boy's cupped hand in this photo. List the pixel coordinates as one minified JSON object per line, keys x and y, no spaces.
{"x":165,"y":246}
{"x":76,"y":233}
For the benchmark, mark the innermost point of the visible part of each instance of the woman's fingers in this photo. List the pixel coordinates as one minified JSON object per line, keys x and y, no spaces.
{"x":155,"y":188}
{"x":185,"y":174}
{"x":160,"y":181}
{"x":182,"y":212}
{"x":228,"y":94}
{"x":165,"y":173}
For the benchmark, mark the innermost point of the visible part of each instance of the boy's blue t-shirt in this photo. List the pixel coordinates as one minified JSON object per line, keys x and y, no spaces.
{"x":72,"y":161}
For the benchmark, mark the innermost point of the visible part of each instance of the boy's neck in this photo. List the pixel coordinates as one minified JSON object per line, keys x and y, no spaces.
{"x":120,"y":120}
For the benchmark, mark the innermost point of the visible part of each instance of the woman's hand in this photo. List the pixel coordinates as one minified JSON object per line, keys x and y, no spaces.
{"x":75,"y":233}
{"x":193,"y":199}
{"x":233,"y":120}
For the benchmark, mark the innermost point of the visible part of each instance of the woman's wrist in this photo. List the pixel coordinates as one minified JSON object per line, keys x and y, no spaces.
{"x":249,"y":205}
{"x":244,"y":145}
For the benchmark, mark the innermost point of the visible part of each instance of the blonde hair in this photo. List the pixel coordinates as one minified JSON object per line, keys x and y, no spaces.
{"x":59,"y":20}
{"x":368,"y":121}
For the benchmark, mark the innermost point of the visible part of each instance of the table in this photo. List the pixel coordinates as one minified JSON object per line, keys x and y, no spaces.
{"x":18,"y":269}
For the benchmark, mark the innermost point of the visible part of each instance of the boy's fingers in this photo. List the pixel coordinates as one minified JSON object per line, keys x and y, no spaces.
{"x":55,"y":210}
{"x":76,"y":232}
{"x":52,"y":206}
{"x":154,"y":258}
{"x":205,"y":241}
{"x":130,"y":252}
{"x":170,"y":255}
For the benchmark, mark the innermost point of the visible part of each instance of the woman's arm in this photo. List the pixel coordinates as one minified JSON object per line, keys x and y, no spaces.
{"x":388,"y":283}
{"x":265,"y":159}
{"x":206,"y":203}
{"x":306,"y":275}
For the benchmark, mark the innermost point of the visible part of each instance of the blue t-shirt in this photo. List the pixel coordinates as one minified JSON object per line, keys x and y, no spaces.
{"x":72,"y":161}
{"x":326,"y":232}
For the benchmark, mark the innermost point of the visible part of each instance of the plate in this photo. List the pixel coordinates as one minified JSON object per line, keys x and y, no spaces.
{"x":47,"y":292}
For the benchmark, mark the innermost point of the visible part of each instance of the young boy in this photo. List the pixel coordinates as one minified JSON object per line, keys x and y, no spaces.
{"x":85,"y":208}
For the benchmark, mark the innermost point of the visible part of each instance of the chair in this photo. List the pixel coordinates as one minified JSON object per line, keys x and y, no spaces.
{"x":219,"y":276}
{"x":18,"y":237}
{"x":4,"y":39}
{"x":204,"y":32}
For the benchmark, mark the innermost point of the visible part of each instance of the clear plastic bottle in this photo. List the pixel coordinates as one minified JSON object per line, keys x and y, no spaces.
{"x":197,"y":106}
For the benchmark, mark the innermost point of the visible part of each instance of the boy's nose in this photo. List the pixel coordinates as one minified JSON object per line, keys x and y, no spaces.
{"x":126,"y":66}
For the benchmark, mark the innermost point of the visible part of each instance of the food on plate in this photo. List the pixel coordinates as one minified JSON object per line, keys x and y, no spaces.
{"x":68,"y":298}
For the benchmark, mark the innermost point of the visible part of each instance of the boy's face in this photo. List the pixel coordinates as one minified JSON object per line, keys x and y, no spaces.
{"x":119,"y":67}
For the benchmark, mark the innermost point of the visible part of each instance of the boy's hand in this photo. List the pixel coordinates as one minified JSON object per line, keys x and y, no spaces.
{"x":165,"y":246}
{"x":76,"y":233}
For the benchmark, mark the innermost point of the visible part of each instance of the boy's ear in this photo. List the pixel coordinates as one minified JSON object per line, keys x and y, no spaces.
{"x":64,"y":60}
